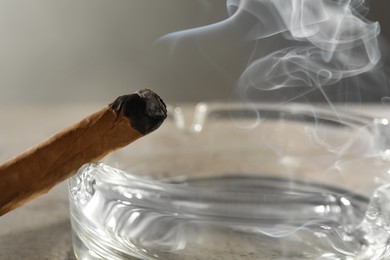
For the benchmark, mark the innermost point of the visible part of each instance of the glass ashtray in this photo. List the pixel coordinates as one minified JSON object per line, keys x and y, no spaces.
{"x":243,"y":181}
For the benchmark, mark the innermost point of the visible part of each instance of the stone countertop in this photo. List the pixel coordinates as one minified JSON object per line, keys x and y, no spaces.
{"x":41,"y":228}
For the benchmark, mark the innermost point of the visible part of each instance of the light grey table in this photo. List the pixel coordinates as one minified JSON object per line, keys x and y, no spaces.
{"x":41,"y":229}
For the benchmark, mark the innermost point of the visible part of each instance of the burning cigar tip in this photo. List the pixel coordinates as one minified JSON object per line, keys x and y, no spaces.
{"x":145,"y":110}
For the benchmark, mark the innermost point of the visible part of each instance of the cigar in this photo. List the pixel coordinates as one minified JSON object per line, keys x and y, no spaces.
{"x":38,"y":169}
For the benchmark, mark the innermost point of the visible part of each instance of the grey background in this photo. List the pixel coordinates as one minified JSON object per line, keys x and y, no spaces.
{"x":95,"y":50}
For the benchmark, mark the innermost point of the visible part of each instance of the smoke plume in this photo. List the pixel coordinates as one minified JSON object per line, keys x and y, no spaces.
{"x":293,"y":48}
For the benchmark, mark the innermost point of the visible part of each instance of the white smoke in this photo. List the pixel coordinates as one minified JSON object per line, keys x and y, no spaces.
{"x":329,"y":41}
{"x":294,"y":43}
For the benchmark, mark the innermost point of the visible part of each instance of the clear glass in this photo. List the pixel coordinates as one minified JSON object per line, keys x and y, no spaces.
{"x":243,"y":181}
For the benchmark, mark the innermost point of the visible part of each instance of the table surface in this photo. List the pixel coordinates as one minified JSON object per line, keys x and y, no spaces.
{"x":41,"y":228}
